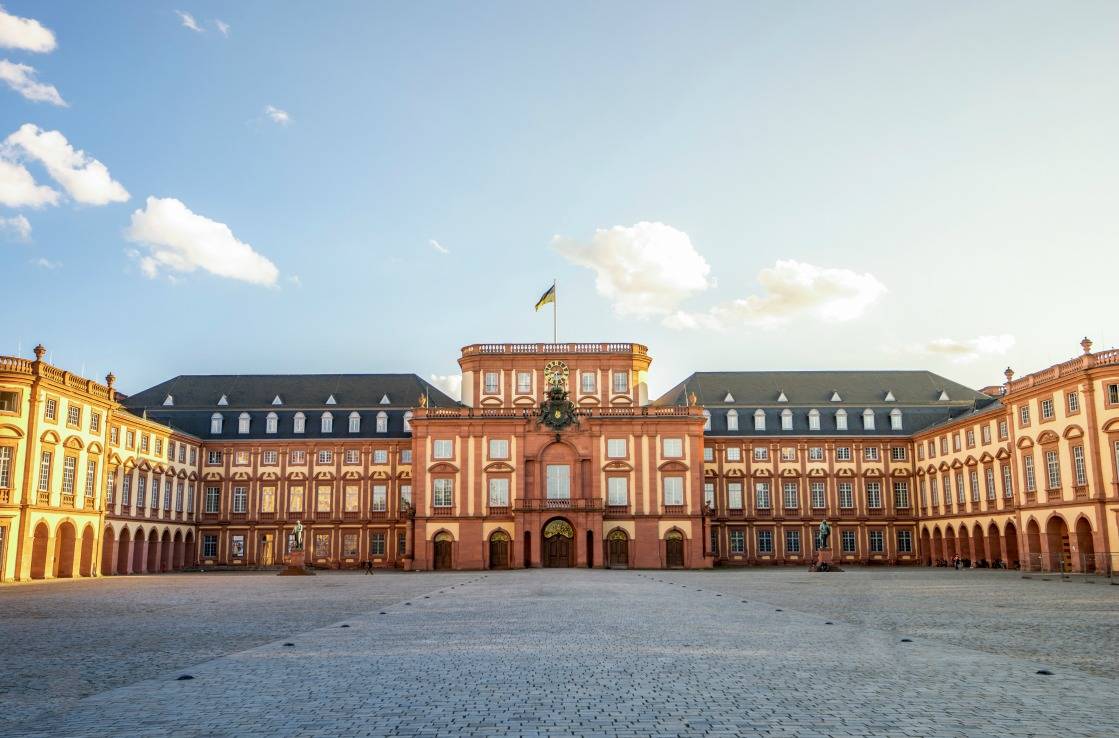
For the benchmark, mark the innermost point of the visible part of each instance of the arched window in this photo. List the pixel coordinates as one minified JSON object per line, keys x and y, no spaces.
{"x":786,"y":419}
{"x":895,"y":419}
{"x":868,"y":419}
{"x":813,"y":419}
{"x":215,"y":423}
{"x":759,"y":420}
{"x":382,"y":422}
{"x":299,"y":423}
{"x":243,"y":423}
{"x":732,"y":420}
{"x":327,"y":423}
{"x":271,"y":422}
{"x":355,"y":422}
{"x":706,"y":420}
{"x":408,"y":422}
{"x":841,"y":419}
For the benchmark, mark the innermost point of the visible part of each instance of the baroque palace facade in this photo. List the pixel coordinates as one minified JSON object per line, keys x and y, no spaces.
{"x":556,"y":456}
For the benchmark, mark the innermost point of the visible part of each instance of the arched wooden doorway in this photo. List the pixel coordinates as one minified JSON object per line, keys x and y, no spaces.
{"x":559,"y":544}
{"x":1085,"y":545}
{"x":500,"y":545}
{"x":64,"y":547}
{"x":674,"y":549}
{"x":39,"y":551}
{"x":442,"y":554}
{"x":617,"y":549}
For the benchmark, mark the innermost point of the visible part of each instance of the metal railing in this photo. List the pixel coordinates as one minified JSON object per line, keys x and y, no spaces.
{"x":1103,"y":566}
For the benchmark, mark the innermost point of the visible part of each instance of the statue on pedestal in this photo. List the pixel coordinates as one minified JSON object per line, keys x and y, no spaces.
{"x":823,"y":533}
{"x":297,"y":536}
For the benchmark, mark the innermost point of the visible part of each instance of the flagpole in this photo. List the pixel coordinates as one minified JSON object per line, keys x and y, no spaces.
{"x":555,"y":310}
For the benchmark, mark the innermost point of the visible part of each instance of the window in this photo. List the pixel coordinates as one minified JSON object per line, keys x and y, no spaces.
{"x":95,"y":422}
{"x":126,"y":490}
{"x":1077,"y":465}
{"x":874,"y":495}
{"x":761,"y":453}
{"x":145,"y":442}
{"x":616,"y":448}
{"x":9,"y":402}
{"x":322,"y":545}
{"x":1002,"y":430}
{"x":708,"y":453}
{"x":920,"y":452}
{"x":709,"y":494}
{"x":271,"y":421}
{"x":170,"y":450}
{"x":406,"y":495}
{"x":759,"y":420}
{"x":90,"y":478}
{"x":947,"y":489}
{"x":841,"y":419}
{"x":355,"y":422}
{"x":241,"y":458}
{"x":985,"y":433}
{"x":960,"y":493}
{"x":934,"y":493}
{"x":989,"y":482}
{"x":190,"y":497}
{"x":114,"y":435}
{"x":5,"y":467}
{"x":732,"y":420}
{"x":1053,"y":469}
{"x":765,"y":541}
{"x":588,"y":382}
{"x":786,"y":419}
{"x":617,"y":491}
{"x":868,"y":419}
{"x":380,"y":497}
{"x":944,"y":444}
{"x":524,"y":383}
{"x":558,"y":481}
{"x":159,"y":447}
{"x":672,"y":448}
{"x":298,"y":456}
{"x":843,"y":453}
{"x":166,"y":494}
{"x":791,"y":495}
{"x":895,"y":419}
{"x":295,"y":500}
{"x":737,"y":542}
{"x":897,"y":453}
{"x":323,"y":495}
{"x":788,"y":453}
{"x":69,"y":467}
{"x":349,"y":545}
{"x":377,"y":544}
{"x":213,"y":498}
{"x":847,"y":541}
{"x":406,"y":456}
{"x":761,"y":495}
{"x":243,"y":423}
{"x":734,"y":495}
{"x":814,"y":419}
{"x":1113,"y":394}
{"x":209,"y":545}
{"x":110,"y":481}
{"x":819,"y":500}
{"x":50,"y":409}
{"x":905,"y":541}
{"x":381,"y":455}
{"x":240,"y":499}
{"x":443,"y":492}
{"x":268,"y":499}
{"x":215,"y":424}
{"x":621,"y":383}
{"x":499,"y":492}
{"x":816,"y":453}
{"x":326,"y":457}
{"x":326,"y":424}
{"x":673,"y":491}
{"x":877,"y":543}
{"x":706,"y":419}
{"x":401,"y":543}
{"x":956,"y":442}
{"x":1072,"y":399}
{"x":443,"y":449}
{"x":846,"y":495}
{"x":299,"y":423}
{"x":351,"y":456}
{"x":901,"y":494}
{"x":382,"y":422}
{"x":734,"y":453}
{"x":1028,"y":467}
{"x":1024,"y":415}
{"x":490,"y":383}
{"x":193,"y":456}
{"x":499,"y":448}
{"x":408,"y":421}
{"x":792,"y":541}
{"x":973,"y":482}
{"x":870,"y":453}
{"x":269,"y":458}
{"x":1047,"y":412}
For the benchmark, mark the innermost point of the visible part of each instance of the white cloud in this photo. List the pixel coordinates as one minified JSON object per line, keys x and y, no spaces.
{"x":18,"y":187}
{"x":182,"y":241}
{"x":46,"y":263}
{"x":792,"y":289}
{"x":294,"y":280}
{"x":963,"y":351}
{"x":188,"y":21}
{"x":278,"y":116}
{"x":644,"y":269}
{"x":223,"y":27}
{"x":21,"y":78}
{"x":17,"y":225}
{"x":451,"y":384}
{"x":84,"y":178}
{"x":439,"y":247}
{"x":25,"y":34}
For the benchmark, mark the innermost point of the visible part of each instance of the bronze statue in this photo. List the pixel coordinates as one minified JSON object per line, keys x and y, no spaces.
{"x":297,"y":536}
{"x":822,"y":535}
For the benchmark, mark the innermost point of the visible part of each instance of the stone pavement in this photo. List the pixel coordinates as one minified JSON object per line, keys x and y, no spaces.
{"x":576,"y":652}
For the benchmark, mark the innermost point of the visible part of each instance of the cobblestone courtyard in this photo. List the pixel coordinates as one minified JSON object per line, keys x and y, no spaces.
{"x":562,"y":652}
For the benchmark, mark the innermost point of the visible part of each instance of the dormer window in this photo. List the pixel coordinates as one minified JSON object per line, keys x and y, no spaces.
{"x":243,"y":423}
{"x":781,"y":397}
{"x":835,"y":396}
{"x":706,"y":420}
{"x":215,"y":424}
{"x":889,"y":397}
{"x":299,"y":423}
{"x":759,"y":420}
{"x":168,"y":401}
{"x":786,"y":419}
{"x":382,"y":422}
{"x":868,"y":419}
{"x":271,"y":423}
{"x":895,"y":420}
{"x":408,"y":422}
{"x":385,"y":400}
{"x":943,"y":396}
{"x":732,"y":420}
{"x":331,"y":401}
{"x":277,"y":401}
{"x":327,"y":423}
{"x":814,"y":419}
{"x":728,"y":398}
{"x":841,"y":419}
{"x":355,"y":422}
{"x":223,"y":400}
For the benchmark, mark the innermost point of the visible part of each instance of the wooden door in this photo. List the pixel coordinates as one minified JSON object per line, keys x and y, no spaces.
{"x":674,"y":553}
{"x":557,"y":551}
{"x":442,"y":555}
{"x":266,"y":548}
{"x":618,"y":552}
{"x":499,"y":553}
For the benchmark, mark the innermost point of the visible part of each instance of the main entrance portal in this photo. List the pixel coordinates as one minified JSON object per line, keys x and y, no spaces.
{"x":559,"y":544}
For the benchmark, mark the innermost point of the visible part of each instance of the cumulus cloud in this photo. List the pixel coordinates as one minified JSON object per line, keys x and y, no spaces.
{"x":84,"y":178}
{"x":223,"y":27}
{"x":21,"y":78}
{"x":46,"y":263}
{"x":25,"y":34}
{"x":451,"y":384}
{"x":18,"y":227}
{"x":792,"y":289}
{"x":179,"y":240}
{"x":19,"y":189}
{"x":439,"y":247}
{"x":188,"y":21}
{"x":645,"y":269}
{"x":963,"y":351}
{"x":280,"y":117}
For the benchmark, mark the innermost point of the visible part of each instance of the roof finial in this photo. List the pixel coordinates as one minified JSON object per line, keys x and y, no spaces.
{"x":1086,"y":344}
{"x":692,"y":399}
{"x":39,"y":351}
{"x":1009,"y":373}
{"x":110,"y":378}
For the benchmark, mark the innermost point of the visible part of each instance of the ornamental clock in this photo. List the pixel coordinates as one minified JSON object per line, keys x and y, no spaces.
{"x":555,"y":373}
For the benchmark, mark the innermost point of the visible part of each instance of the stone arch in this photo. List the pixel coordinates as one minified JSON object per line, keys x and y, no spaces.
{"x":979,"y":544}
{"x":108,"y":552}
{"x":124,"y":552}
{"x":926,"y":546}
{"x":152,"y":564}
{"x":89,"y":538}
{"x":950,"y":549}
{"x":1085,"y":545}
{"x":65,"y":549}
{"x":166,"y":551}
{"x":963,"y":543}
{"x":938,"y":544}
{"x":190,"y":555}
{"x":1033,"y":545}
{"x":1010,"y":537}
{"x":139,"y":549}
{"x":39,"y":551}
{"x":1059,"y":543}
{"x":178,"y":554}
{"x":994,"y":544}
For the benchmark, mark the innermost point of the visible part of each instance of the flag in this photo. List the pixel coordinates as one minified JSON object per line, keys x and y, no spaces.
{"x":549,"y":296}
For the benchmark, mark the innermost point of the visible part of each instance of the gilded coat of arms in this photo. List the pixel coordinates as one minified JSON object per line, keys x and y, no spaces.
{"x":557,"y":412}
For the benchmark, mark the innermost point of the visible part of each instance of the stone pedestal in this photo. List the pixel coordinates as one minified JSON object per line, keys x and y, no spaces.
{"x":297,"y":565}
{"x":823,"y":561}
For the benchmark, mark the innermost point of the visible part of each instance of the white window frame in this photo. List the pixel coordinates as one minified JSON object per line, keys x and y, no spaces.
{"x":326,"y":423}
{"x":616,"y":448}
{"x":759,"y":419}
{"x":673,"y":489}
{"x":244,"y":422}
{"x":216,"y":421}
{"x":271,"y":423}
{"x":732,"y":420}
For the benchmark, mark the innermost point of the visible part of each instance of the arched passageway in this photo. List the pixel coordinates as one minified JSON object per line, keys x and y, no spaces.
{"x":139,"y":552}
{"x":189,"y":553}
{"x":39,"y":551}
{"x":65,"y":545}
{"x":940,"y":552}
{"x":979,"y":544}
{"x":124,"y":552}
{"x":85,"y":568}
{"x":927,"y":554}
{"x":108,"y":553}
{"x":1033,"y":547}
{"x":1085,"y":546}
{"x":179,"y":551}
{"x":994,"y":545}
{"x":1060,"y":553}
{"x":1010,"y":539}
{"x":153,"y":552}
{"x":165,"y":551}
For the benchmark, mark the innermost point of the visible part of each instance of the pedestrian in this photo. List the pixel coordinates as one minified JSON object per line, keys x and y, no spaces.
{"x":368,"y":566}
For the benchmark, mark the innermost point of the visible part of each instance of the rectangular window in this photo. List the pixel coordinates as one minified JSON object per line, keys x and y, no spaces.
{"x":1077,"y":466}
{"x":524,"y":383}
{"x":788,"y":453}
{"x":846,"y":495}
{"x":816,"y":453}
{"x":761,"y":495}
{"x":901,"y":494}
{"x":973,"y":482}
{"x":943,"y":444}
{"x":159,"y":447}
{"x":1113,"y":394}
{"x":737,"y":542}
{"x":126,"y":490}
{"x":193,"y":456}
{"x":673,"y":490}
{"x":874,"y":495}
{"x":870,"y":453}
{"x":380,"y":497}
{"x":1053,"y":469}
{"x":237,"y":547}
{"x":401,"y":543}
{"x":297,"y":457}
{"x":326,"y":457}
{"x":270,"y":458}
{"x":792,"y":541}
{"x":1024,"y":415}
{"x":351,"y":456}
{"x":986,"y":433}
{"x":295,"y":500}
{"x":761,"y":453}
{"x":268,"y":499}
{"x":182,"y":453}
{"x":141,"y":491}
{"x":789,"y":489}
{"x":323,"y":496}
{"x":443,"y":492}
{"x":442,"y":449}
{"x":1073,"y":401}
{"x":922,"y":490}
{"x":989,"y":482}
{"x":406,"y":456}
{"x":130,"y":439}
{"x":621,"y":383}
{"x":9,"y":401}
{"x":947,"y":489}
{"x":95,"y":422}
{"x":167,"y":485}
{"x":905,"y":541}
{"x":69,"y":465}
{"x":558,"y":481}
{"x":672,"y":448}
{"x":145,"y":442}
{"x":1003,"y":432}
{"x":819,"y":500}
{"x":759,"y":420}
{"x":843,"y":453}
{"x":1047,"y":412}
{"x":213,"y":457}
{"x":349,"y":545}
{"x":377,"y":544}
{"x":240,"y":499}
{"x":499,"y":448}
{"x":213,"y":499}
{"x":499,"y":492}
{"x":588,"y":382}
{"x":960,"y":493}
{"x":490,"y":383}
{"x":351,"y":498}
{"x":90,"y":478}
{"x":734,"y":453}
{"x":877,"y":541}
{"x":617,"y":491}
{"x":114,"y":435}
{"x":897,"y":453}
{"x":708,"y":453}
{"x":765,"y":541}
{"x":847,"y":541}
{"x":970,"y":438}
{"x":734,"y":495}
{"x":190,"y":497}
{"x":405,"y":495}
{"x":381,"y":456}
{"x":322,"y":545}
{"x":209,"y":546}
{"x":110,"y":484}
{"x":709,"y":494}
{"x":50,"y":409}
{"x":1028,"y":467}
{"x":956,"y":442}
{"x":241,"y":458}
{"x":616,"y":448}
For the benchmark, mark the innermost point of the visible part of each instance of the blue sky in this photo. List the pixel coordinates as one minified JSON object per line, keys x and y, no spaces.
{"x":879,"y":185}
